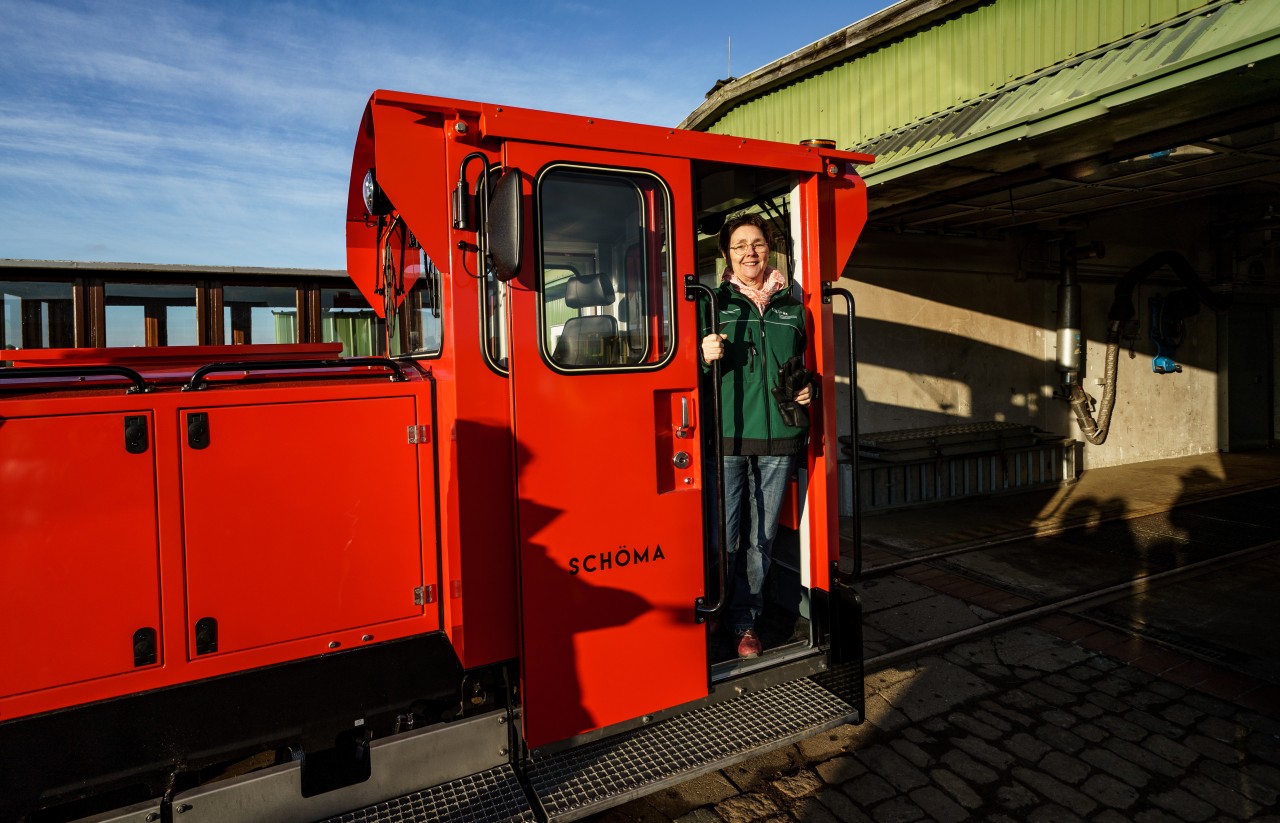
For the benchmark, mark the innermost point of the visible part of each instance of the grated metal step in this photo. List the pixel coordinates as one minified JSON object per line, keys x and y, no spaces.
{"x":608,"y":772}
{"x":492,"y":796}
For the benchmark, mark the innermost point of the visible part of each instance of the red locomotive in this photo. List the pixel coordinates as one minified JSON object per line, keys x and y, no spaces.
{"x":269,"y":583}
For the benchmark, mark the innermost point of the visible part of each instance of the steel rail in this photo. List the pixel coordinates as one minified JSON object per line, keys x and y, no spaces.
{"x":883,"y":661}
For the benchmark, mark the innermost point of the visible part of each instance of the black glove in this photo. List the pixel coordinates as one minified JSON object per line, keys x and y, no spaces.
{"x":792,"y":377}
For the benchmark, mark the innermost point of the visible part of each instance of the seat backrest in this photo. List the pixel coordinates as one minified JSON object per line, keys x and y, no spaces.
{"x":589,"y":340}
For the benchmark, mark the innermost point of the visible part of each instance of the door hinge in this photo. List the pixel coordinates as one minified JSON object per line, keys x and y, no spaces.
{"x":422,"y":595}
{"x":419,"y":435}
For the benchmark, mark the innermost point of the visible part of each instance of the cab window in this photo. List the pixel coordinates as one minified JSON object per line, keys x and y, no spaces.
{"x":604,"y":269}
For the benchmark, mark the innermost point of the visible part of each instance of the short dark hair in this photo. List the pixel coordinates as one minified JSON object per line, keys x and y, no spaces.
{"x":734,"y":223}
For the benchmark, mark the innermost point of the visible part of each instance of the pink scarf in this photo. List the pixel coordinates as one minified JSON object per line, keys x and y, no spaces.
{"x":773,"y":281}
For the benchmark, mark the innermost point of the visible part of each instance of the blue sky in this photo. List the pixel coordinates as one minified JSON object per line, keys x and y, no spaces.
{"x":174,"y":131}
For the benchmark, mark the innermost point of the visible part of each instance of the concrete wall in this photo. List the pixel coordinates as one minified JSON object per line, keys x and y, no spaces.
{"x":964,"y":330}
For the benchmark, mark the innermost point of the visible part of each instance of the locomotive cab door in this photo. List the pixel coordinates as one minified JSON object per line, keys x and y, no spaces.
{"x":609,"y":486}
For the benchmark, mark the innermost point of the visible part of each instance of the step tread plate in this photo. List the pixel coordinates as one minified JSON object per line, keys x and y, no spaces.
{"x":492,"y":796}
{"x":607,"y":772}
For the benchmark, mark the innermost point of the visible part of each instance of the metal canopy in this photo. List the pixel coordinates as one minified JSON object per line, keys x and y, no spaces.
{"x":1187,"y":109}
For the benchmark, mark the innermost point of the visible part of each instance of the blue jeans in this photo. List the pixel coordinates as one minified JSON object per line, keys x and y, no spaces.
{"x":764,"y":480}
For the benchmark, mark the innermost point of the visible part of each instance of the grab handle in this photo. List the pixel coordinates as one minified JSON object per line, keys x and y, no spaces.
{"x":828,"y":291}
{"x":692,"y":288}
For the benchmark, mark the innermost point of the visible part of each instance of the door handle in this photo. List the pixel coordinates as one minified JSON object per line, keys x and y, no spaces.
{"x":682,"y":431}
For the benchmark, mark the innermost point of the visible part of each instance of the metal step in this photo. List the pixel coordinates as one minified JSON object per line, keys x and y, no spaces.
{"x":493,"y":796}
{"x":605,"y":773}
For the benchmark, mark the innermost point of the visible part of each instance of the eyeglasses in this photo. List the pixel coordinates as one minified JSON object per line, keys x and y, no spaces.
{"x":759,"y":246}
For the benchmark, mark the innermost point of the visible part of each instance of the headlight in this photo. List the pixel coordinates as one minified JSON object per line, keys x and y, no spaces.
{"x":370,"y":189}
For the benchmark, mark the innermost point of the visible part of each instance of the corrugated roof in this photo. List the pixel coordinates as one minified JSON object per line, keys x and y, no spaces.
{"x":1066,"y":90}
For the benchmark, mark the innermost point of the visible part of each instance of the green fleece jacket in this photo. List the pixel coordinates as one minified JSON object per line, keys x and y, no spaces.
{"x":755,"y":348}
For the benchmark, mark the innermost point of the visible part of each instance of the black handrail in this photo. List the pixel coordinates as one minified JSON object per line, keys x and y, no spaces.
{"x":139,"y":383}
{"x":827,"y":292}
{"x":702,"y":611}
{"x":198,"y":378}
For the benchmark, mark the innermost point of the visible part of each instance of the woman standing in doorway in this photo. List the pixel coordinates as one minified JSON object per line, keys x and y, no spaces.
{"x":761,"y":329}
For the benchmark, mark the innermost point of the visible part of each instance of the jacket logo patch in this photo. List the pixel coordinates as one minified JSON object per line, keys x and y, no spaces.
{"x":623,"y":557}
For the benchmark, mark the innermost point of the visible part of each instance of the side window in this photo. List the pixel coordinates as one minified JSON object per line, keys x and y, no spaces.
{"x":259,"y":314}
{"x":346,"y":318}
{"x":417,"y":329}
{"x":36,"y":315}
{"x":151,"y":314}
{"x":604,"y":269}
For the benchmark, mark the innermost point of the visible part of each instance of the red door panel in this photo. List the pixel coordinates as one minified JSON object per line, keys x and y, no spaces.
{"x":79,"y":568}
{"x":611,"y":557}
{"x":303,"y":519}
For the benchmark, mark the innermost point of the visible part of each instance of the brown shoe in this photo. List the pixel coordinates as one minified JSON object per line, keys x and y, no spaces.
{"x":749,"y":644}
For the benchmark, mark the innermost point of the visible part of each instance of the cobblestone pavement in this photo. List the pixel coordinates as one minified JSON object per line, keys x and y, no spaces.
{"x":1060,"y":721}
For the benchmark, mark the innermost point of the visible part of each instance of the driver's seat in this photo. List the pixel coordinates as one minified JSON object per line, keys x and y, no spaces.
{"x":588,"y":340}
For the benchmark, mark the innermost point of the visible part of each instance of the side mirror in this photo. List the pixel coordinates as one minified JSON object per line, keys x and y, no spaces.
{"x":503,"y":238}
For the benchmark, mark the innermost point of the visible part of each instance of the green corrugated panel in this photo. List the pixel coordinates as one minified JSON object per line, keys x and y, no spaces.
{"x":930,"y":71}
{"x":1221,"y":29}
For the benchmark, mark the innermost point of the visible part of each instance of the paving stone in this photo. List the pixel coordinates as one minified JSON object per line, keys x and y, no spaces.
{"x":1059,"y":717}
{"x":883,"y":716}
{"x":1223,"y":730}
{"x":1110,"y":792}
{"x":897,"y":810}
{"x":750,"y":775}
{"x":1107,"y":703}
{"x":1218,"y":750}
{"x":1087,"y":710}
{"x":706,"y":790}
{"x":1014,"y":716}
{"x":1060,"y":738}
{"x":1053,"y":789}
{"x":1170,"y":750}
{"x":700,"y":816}
{"x":828,"y":744}
{"x":968,"y":768}
{"x":1182,"y":804}
{"x":1143,"y":758}
{"x":800,"y":784}
{"x":938,"y":687}
{"x":1181,"y":715}
{"x":955,"y":786}
{"x":984,"y":751}
{"x":1231,"y":802}
{"x":809,"y":810}
{"x":1015,"y":797}
{"x":747,"y":808}
{"x":1084,"y":673}
{"x":1022,"y":700}
{"x":1067,"y":684}
{"x":1210,"y":705}
{"x":1260,"y":723}
{"x":1027,"y":747}
{"x":1111,"y":816}
{"x":1091,"y":732}
{"x":1121,"y":728}
{"x":1265,"y":775}
{"x":1155,"y":816}
{"x":974,"y":726}
{"x":1112,"y":764}
{"x":1064,"y":767}
{"x":868,"y":789}
{"x":893,"y":767}
{"x":1052,"y":814}
{"x":1152,"y":723}
{"x":1239,"y":781}
{"x":936,"y":725}
{"x":1049,"y":694}
{"x":839,"y":770}
{"x":917,"y":756}
{"x":1147,"y":700}
{"x":916,"y":735}
{"x":1103,"y":663}
{"x":937,"y":806}
{"x":840,"y":805}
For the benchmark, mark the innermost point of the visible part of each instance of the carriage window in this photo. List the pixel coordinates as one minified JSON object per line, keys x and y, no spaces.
{"x":36,"y":315}
{"x":259,"y":314}
{"x":151,"y":314}
{"x":345,"y":317}
{"x":417,"y":328}
{"x":605,"y":269}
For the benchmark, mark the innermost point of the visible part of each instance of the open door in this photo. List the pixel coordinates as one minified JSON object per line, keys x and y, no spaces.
{"x":607,"y":458}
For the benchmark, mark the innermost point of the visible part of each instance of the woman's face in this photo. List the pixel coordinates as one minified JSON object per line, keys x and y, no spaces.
{"x":748,"y":253}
